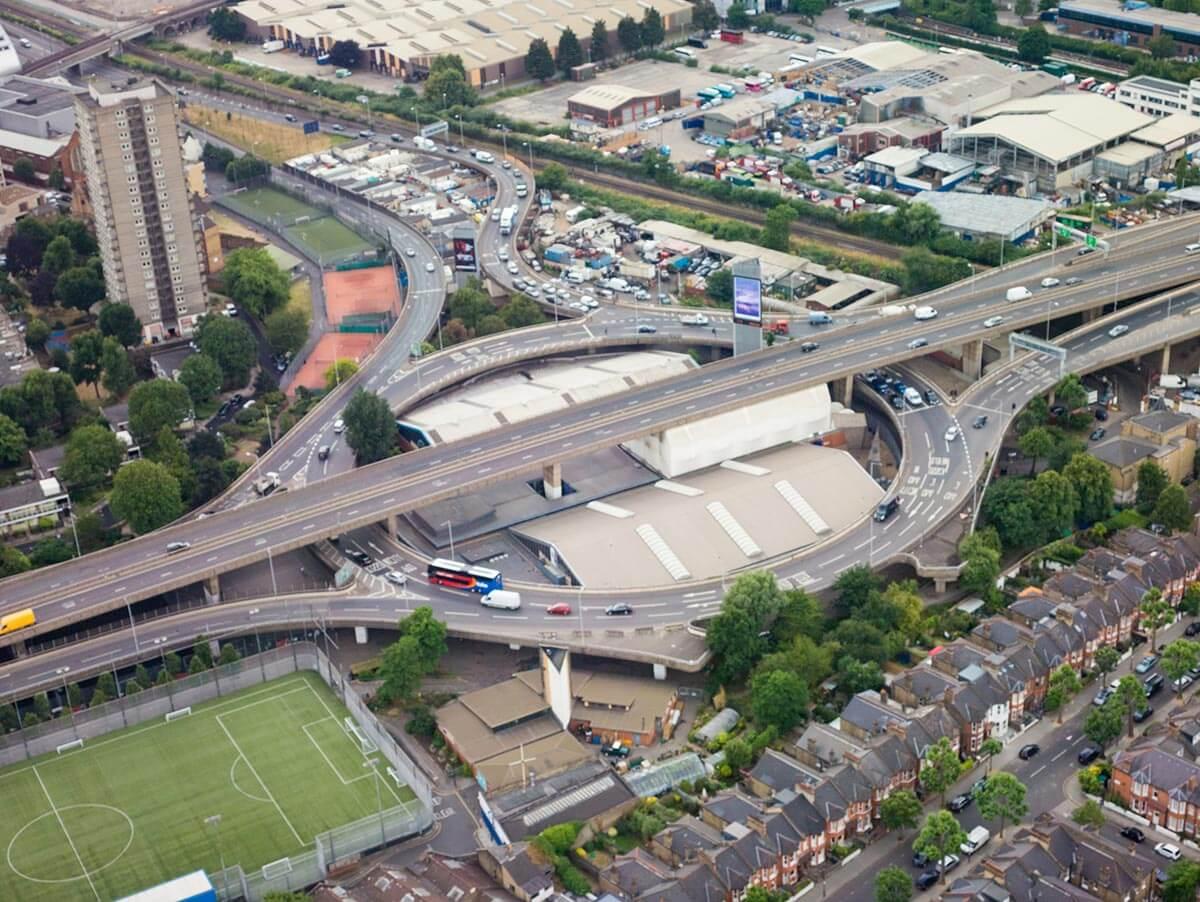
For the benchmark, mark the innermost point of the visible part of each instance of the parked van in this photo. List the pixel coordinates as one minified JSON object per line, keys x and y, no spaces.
{"x":685,"y":53}
{"x":1020,"y":293}
{"x":1166,"y":380}
{"x":503,"y":600}
{"x":976,"y":840}
{"x":575,"y":277}
{"x":819,"y":318}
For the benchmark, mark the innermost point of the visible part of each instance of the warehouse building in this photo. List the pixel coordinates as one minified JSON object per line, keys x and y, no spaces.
{"x":1150,"y":150}
{"x":1135,"y":24}
{"x":865,"y":138}
{"x":403,"y":38}
{"x":739,"y":118}
{"x":1047,"y":144}
{"x":988,"y":217}
{"x":615,"y":105}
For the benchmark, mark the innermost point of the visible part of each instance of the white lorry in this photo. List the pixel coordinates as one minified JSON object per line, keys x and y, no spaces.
{"x":266,"y":484}
{"x":507,"y":215}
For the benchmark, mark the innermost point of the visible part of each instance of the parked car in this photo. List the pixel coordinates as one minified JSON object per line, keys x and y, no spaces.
{"x":959,"y":802}
{"x":1143,"y":713}
{"x":1146,"y":664}
{"x":1168,"y":850}
{"x":1088,"y":754}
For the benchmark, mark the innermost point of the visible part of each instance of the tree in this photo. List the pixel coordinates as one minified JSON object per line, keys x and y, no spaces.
{"x":738,"y":754}
{"x":341,"y":370}
{"x":287,"y":330}
{"x":554,"y":176}
{"x":59,"y":255}
{"x":24,"y":171}
{"x":777,"y":231}
{"x":1106,"y":660}
{"x":447,"y":84}
{"x":168,"y":450}
{"x":779,"y":699}
{"x":1052,"y":498}
{"x":925,"y":270}
{"x":119,"y":373}
{"x":246,"y":168}
{"x":651,"y":29}
{"x":86,"y":350}
{"x":1037,"y":442}
{"x":599,"y":41}
{"x":400,"y":670}
{"x":521,"y":311}
{"x":1151,"y":480}
{"x":201,"y":376}
{"x":226,"y":25}
{"x":569,"y":54}
{"x":154,"y":404}
{"x":146,"y":496}
{"x":917,"y":223}
{"x":737,"y":17}
{"x":36,"y":334}
{"x":203,"y":650}
{"x":79,"y":287}
{"x":1089,"y":814}
{"x":1130,"y":697}
{"x":1190,"y":603}
{"x":892,"y":884}
{"x":1033,"y":46}
{"x":345,"y":54}
{"x":1093,"y":487}
{"x":430,"y":635}
{"x":941,"y":769}
{"x":981,"y":564}
{"x":1003,"y":796}
{"x":92,"y":453}
{"x":900,"y":811}
{"x":471,"y":303}
{"x":1172,"y":509}
{"x":1104,"y":724}
{"x":216,"y":158}
{"x":1161,"y":47}
{"x":856,"y":587}
{"x":705,"y":16}
{"x":736,"y":635}
{"x":1070,"y":392}
{"x":13,"y":442}
{"x":50,"y":551}
{"x":370,"y":427}
{"x":1183,"y":879}
{"x":255,"y":281}
{"x":719,"y":286}
{"x":229,"y":654}
{"x":1063,"y":684}
{"x":629,"y":35}
{"x":1179,"y":657}
{"x":197,"y":665}
{"x":12,"y":561}
{"x":230,"y":343}
{"x":1155,"y":613}
{"x":1023,"y":8}
{"x":1036,"y":412}
{"x":940,"y":835}
{"x":990,"y":747}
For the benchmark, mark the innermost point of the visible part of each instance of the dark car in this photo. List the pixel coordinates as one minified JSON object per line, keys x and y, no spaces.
{"x":927,"y":879}
{"x":1098,"y":433}
{"x":808,"y":346}
{"x":931,"y":397}
{"x":359,"y":557}
{"x":886,"y":509}
{"x":224,"y":409}
{"x":1143,"y":713}
{"x":1088,"y":754}
{"x":1028,"y":751}
{"x":618,"y":610}
{"x":1153,"y":684}
{"x":646,"y":329}
{"x":1133,"y":834}
{"x":323,"y":452}
{"x":1100,"y":413}
{"x":1192,"y":628}
{"x":898,"y":401}
{"x":920,"y":860}
{"x":959,"y":802}
{"x":979,"y":422}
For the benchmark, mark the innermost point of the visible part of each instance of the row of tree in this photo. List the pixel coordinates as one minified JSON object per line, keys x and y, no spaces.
{"x":632,"y":36}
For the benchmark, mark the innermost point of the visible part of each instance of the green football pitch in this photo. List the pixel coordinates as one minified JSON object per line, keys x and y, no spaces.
{"x":259,"y":203}
{"x":327,"y":238}
{"x":129,"y":809}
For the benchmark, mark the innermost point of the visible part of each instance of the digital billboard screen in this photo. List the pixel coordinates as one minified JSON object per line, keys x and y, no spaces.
{"x":747,"y":300}
{"x":464,"y":255}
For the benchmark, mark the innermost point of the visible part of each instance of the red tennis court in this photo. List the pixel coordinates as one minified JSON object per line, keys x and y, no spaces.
{"x":358,"y":291}
{"x":333,"y":346}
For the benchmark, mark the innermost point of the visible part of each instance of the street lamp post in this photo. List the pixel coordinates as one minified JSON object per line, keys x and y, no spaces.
{"x":461,"y":139}
{"x":132,"y":628}
{"x":529,"y":144}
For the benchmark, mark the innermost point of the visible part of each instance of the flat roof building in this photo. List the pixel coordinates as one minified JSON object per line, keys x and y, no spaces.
{"x":1153,"y":96}
{"x":986,"y":217}
{"x":1132,"y":25}
{"x":615,"y":105}
{"x":403,"y":38}
{"x":739,"y":118}
{"x":864,"y":138}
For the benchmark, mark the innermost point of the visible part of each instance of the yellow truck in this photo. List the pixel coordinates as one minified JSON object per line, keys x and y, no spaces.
{"x":18,"y":620}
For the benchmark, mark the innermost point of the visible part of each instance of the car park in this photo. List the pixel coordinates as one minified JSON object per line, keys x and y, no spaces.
{"x":1028,"y":751}
{"x":1146,"y":664}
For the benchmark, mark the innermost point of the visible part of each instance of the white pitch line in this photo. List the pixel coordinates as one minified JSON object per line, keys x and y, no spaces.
{"x":86,"y":873}
{"x":270,"y":795}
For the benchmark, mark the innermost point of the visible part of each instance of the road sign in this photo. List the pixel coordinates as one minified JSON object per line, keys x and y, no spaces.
{"x":311,"y":126}
{"x":1091,"y":240}
{"x":440,"y":127}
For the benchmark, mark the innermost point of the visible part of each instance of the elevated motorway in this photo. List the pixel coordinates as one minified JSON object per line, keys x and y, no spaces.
{"x":111,"y":578}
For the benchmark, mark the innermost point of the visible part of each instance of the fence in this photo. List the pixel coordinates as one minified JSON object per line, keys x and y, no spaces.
{"x":337,"y":845}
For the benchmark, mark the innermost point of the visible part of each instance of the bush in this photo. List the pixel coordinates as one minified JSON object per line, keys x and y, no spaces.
{"x":422,"y":722}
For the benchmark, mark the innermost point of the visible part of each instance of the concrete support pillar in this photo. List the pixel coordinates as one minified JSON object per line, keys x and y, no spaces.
{"x":1165,"y":367}
{"x":842,"y":390}
{"x":552,"y":481}
{"x":660,"y":671}
{"x":972,"y":359}
{"x":20,"y":650}
{"x":940,"y":585}
{"x":1090,"y":314}
{"x":390,"y":524}
{"x":212,"y":590}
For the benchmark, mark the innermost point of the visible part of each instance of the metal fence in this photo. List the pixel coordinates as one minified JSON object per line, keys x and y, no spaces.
{"x":338,"y":845}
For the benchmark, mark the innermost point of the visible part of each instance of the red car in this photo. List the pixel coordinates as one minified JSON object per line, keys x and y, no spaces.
{"x":562,"y":609}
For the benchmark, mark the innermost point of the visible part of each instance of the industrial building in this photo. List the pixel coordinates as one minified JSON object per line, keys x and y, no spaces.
{"x":913,"y":169}
{"x":37,"y":123}
{"x":402,"y":39}
{"x":1153,"y":96}
{"x":1133,"y":24}
{"x":988,"y":217}
{"x":147,"y":230}
{"x":739,"y":118}
{"x":615,"y":105}
{"x":863,"y":138}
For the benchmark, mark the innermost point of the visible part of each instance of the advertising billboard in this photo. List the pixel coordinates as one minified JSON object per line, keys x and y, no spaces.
{"x":747,"y":300}
{"x":464,"y":255}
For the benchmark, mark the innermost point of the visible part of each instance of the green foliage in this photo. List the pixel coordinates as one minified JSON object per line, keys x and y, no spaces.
{"x":926,"y":271}
{"x":1036,"y":442}
{"x":598,"y":43}
{"x":629,"y":35}
{"x":370,"y":427}
{"x":1104,"y":724}
{"x":255,"y":281}
{"x":940,"y":835}
{"x":155,"y":404}
{"x":779,"y":699}
{"x":560,"y":838}
{"x":1033,"y":46}
{"x":429,"y":633}
{"x":229,"y":654}
{"x":59,"y":256}
{"x":1190,"y":603}
{"x":79,"y":287}
{"x":287,"y":330}
{"x":12,"y":561}
{"x":981,"y":564}
{"x":92,"y":453}
{"x":86,"y":350}
{"x":539,"y":62}
{"x":216,"y":158}
{"x":1183,"y":880}
{"x":1179,"y":657}
{"x":50,"y":551}
{"x":1151,"y":480}
{"x":447,"y":85}
{"x":36,"y":334}
{"x":146,"y":496}
{"x":719,"y":286}
{"x":1106,"y":659}
{"x":1064,"y":683}
{"x":941,"y":768}
{"x":230,"y":343}
{"x":13,"y":442}
{"x":341,"y":370}
{"x":421,"y":722}
{"x":246,"y":168}
{"x":777,"y":232}
{"x":570,"y":53}
{"x":470,"y":304}
{"x":119,"y":373}
{"x":651,"y":29}
{"x":892,"y":884}
{"x":1172,"y":509}
{"x":1089,"y":814}
{"x":1156,"y":613}
{"x":226,"y":25}
{"x":201,"y":376}
{"x":901,"y":810}
{"x":735,"y":635}
{"x":1093,"y":486}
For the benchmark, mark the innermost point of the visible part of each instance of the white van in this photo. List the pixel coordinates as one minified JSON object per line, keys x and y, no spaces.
{"x":976,"y":840}
{"x":685,"y":53}
{"x":575,"y":277}
{"x":503,"y":600}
